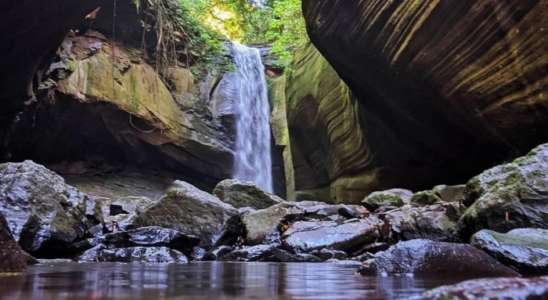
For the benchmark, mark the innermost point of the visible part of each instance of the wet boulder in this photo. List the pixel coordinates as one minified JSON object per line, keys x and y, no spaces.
{"x":262,"y":223}
{"x":43,"y":212}
{"x":101,"y":253}
{"x":285,"y":256}
{"x":437,"y":222}
{"x":190,"y":211}
{"x":382,"y":199}
{"x":245,"y":194}
{"x":525,"y":250}
{"x":255,"y":253}
{"x":12,"y":258}
{"x":424,"y":257}
{"x":509,"y":196}
{"x":307,"y":236}
{"x":492,"y":289}
{"x":119,"y":214}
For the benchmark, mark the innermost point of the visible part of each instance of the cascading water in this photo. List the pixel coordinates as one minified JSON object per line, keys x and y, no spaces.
{"x":253,"y":160}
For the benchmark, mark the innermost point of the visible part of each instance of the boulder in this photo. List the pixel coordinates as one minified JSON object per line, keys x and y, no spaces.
{"x":382,"y":199}
{"x":101,"y":253}
{"x":306,"y":236}
{"x":244,"y":194}
{"x":43,"y":212}
{"x":259,"y":224}
{"x":255,"y":253}
{"x":123,"y":211}
{"x":492,"y":289}
{"x":437,"y":222}
{"x":190,"y":211}
{"x":424,"y":257}
{"x":425,"y":198}
{"x":12,"y":258}
{"x":509,"y":196}
{"x":449,"y":193}
{"x":525,"y":250}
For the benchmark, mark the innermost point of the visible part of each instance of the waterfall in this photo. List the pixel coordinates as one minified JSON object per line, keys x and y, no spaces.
{"x":252,"y":160}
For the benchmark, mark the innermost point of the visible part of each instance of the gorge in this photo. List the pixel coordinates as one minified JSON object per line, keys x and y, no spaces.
{"x":273,"y":149}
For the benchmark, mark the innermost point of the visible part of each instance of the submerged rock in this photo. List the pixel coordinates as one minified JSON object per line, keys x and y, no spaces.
{"x":525,"y":250}
{"x":190,"y":211}
{"x":285,"y":256}
{"x":382,"y":199}
{"x":12,"y":258}
{"x":217,"y":253}
{"x":255,"y":253}
{"x":153,"y":237}
{"x":492,"y":289}
{"x":244,"y":194}
{"x":43,"y":212}
{"x":429,"y":258}
{"x":305,"y":236}
{"x":326,"y":254}
{"x":101,"y":253}
{"x":438,"y":222}
{"x":510,"y":196}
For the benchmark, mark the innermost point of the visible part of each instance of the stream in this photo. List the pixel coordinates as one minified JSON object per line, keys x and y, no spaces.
{"x":208,"y":280}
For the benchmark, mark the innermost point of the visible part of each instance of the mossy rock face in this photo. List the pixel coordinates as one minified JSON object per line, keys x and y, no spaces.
{"x":244,"y":194}
{"x":509,"y":196}
{"x":425,"y":198}
{"x":379,"y":199}
{"x":525,"y":250}
{"x":44,"y":213}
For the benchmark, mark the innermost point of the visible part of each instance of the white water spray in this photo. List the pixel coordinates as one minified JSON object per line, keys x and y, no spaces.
{"x":253,"y":160}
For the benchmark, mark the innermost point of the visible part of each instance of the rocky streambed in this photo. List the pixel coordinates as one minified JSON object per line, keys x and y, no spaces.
{"x":494,"y":226}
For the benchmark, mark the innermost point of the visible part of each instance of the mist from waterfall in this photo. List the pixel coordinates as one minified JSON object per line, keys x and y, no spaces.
{"x":252,"y":160}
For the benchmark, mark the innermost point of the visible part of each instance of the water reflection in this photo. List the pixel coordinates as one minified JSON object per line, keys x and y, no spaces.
{"x":207,"y":281}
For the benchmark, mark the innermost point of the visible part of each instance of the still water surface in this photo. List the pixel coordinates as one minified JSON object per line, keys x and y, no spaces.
{"x":200,"y":281}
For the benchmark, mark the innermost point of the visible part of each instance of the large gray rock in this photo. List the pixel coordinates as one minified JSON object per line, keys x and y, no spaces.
{"x":101,"y":253}
{"x":190,"y":211}
{"x":492,"y":289}
{"x":43,"y":212}
{"x":259,"y":224}
{"x":509,"y":196}
{"x":430,"y":258}
{"x":304,"y":237}
{"x":525,"y":250}
{"x":436,"y":222}
{"x":244,"y":194}
{"x":12,"y":258}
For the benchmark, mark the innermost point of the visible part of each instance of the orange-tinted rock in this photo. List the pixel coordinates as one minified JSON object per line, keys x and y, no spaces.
{"x":12,"y":258}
